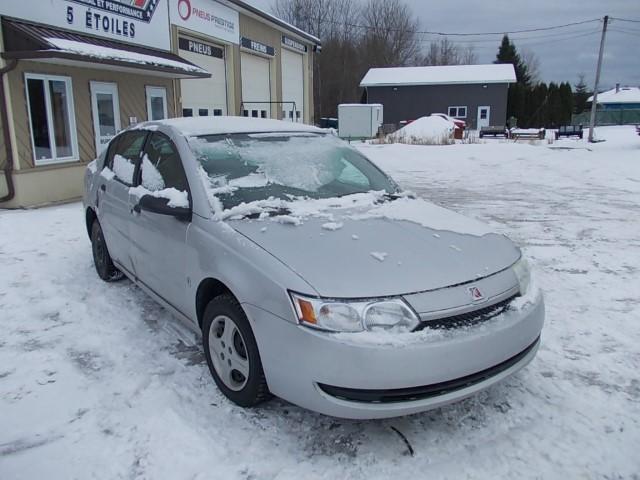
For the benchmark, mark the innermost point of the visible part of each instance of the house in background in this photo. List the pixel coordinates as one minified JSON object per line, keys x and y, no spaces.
{"x":476,"y":94}
{"x":619,"y":98}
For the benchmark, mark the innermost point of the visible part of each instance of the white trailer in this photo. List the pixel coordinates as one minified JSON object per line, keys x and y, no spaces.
{"x":359,"y":121}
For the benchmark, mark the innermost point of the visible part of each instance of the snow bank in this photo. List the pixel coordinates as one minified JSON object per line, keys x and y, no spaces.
{"x":425,"y":129}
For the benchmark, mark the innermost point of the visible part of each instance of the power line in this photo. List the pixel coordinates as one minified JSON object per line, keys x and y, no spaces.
{"x":626,"y":32}
{"x":557,"y":36}
{"x":633,"y":20}
{"x":459,"y":34}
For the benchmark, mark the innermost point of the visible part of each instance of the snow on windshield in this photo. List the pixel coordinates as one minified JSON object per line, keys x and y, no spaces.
{"x":248,"y":168}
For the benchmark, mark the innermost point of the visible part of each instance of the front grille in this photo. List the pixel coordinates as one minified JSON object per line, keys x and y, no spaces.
{"x":426,"y":391}
{"x":467,"y":319}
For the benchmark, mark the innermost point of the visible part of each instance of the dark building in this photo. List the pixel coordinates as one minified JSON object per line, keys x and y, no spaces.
{"x":476,"y":94}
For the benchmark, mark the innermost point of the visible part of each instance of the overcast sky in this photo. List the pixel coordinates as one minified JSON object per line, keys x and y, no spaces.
{"x":563,"y":54}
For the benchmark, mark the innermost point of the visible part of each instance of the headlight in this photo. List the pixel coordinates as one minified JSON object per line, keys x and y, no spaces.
{"x":356,"y":316}
{"x":523,"y":273}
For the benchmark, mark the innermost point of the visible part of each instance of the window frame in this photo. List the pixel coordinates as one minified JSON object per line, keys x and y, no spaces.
{"x":155,"y":91}
{"x":45,"y":78}
{"x":457,"y":108}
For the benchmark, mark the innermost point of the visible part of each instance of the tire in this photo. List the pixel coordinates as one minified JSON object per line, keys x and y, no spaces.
{"x":101,"y":259}
{"x":232,"y":352}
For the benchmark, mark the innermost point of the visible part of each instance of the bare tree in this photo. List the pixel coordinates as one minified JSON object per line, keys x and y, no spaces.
{"x":445,"y":52}
{"x":389,"y":37}
{"x":334,"y":22}
{"x":531,"y":60}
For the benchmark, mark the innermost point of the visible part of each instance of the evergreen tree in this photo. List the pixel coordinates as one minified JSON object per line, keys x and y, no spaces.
{"x":581,"y":95}
{"x":507,"y":53}
{"x":566,"y":100}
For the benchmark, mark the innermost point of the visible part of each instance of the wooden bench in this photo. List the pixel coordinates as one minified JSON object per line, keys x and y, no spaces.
{"x":527,"y":133}
{"x":494,"y":131}
{"x":569,"y":131}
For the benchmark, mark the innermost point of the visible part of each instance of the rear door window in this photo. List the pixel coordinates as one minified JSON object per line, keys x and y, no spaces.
{"x":124,"y":155}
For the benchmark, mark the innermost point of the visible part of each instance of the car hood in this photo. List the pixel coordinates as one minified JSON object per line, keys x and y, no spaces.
{"x":352,"y":254}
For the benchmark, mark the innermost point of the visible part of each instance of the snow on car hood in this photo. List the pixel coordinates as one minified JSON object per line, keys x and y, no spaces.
{"x":353,"y":247}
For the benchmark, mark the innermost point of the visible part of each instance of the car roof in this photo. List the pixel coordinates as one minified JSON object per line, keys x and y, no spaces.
{"x":198,"y":126}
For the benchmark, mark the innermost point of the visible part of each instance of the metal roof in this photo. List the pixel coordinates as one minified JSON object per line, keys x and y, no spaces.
{"x":439,"y":75}
{"x":29,"y":41}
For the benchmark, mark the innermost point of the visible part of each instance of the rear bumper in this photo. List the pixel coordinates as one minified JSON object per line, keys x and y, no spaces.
{"x":353,"y":376}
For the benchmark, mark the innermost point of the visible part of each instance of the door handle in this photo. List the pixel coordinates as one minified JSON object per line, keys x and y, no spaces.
{"x":103,"y":187}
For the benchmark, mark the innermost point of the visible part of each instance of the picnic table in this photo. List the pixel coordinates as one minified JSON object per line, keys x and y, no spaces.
{"x":527,"y":133}
{"x":569,"y":131}
{"x":494,"y":131}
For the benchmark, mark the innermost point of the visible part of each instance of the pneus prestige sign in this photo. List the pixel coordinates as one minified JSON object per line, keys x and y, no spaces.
{"x":143,"y":22}
{"x":207,"y":17}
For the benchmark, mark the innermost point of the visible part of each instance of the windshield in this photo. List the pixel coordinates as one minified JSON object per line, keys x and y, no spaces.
{"x":244,"y":168}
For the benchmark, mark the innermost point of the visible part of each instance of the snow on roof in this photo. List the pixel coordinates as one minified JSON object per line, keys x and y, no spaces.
{"x":493,"y":73}
{"x":196,"y":126}
{"x":624,"y":95}
{"x":108,"y":53}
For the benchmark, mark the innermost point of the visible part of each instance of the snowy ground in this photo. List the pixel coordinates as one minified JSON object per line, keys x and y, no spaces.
{"x":97,"y":381}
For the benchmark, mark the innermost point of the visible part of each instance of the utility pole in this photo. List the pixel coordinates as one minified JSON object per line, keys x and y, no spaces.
{"x":594,"y":104}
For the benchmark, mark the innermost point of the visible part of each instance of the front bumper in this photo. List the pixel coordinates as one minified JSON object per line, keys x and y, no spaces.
{"x":328,"y":373}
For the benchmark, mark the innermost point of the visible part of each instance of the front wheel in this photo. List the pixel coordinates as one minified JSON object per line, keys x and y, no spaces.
{"x":232,"y":352}
{"x":101,"y":259}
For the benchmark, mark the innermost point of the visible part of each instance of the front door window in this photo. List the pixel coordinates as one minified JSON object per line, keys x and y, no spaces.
{"x":157,"y":103}
{"x":106,"y":113}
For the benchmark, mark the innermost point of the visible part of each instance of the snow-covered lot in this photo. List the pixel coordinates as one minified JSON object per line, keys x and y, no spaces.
{"x":97,"y":381}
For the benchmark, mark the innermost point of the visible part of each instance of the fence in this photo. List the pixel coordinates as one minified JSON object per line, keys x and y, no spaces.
{"x":609,"y":117}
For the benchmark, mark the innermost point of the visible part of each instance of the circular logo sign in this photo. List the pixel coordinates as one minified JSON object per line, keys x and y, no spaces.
{"x":184,"y":9}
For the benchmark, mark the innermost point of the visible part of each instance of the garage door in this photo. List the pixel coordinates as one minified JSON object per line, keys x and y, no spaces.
{"x":206,"y":96}
{"x":292,"y":86}
{"x":256,"y":86}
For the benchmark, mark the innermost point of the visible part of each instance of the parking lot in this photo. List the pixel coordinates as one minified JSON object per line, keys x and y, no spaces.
{"x":98,"y":381}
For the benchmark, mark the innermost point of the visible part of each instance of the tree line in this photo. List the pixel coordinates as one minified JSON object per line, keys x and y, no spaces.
{"x":358,"y":35}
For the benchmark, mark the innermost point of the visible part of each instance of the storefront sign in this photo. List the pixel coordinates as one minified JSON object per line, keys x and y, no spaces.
{"x":291,"y":43}
{"x":258,"y":47}
{"x":199,"y":47}
{"x":141,"y":22}
{"x":207,"y":17}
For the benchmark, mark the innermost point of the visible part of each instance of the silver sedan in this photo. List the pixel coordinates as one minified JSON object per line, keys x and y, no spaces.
{"x":309,"y":273}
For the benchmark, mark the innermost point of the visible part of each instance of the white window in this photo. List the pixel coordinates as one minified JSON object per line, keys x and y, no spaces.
{"x":458,"y":112}
{"x":51,"y":119}
{"x":156,"y":103}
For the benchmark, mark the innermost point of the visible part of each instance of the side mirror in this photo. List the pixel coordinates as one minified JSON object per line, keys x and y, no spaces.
{"x":161,"y":206}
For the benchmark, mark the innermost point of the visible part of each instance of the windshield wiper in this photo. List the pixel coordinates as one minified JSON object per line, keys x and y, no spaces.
{"x":272,"y":212}
{"x":388,"y":197}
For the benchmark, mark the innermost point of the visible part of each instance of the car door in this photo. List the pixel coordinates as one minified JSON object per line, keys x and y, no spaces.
{"x":114,"y":200}
{"x":160,"y":238}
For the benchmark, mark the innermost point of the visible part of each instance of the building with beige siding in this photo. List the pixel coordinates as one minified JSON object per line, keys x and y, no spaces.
{"x":75,"y":74}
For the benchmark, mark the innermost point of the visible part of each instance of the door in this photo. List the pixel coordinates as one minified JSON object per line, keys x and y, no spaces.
{"x":159,"y":240}
{"x":292,"y":86}
{"x":114,"y":200}
{"x":484,"y":117}
{"x":105,"y":107}
{"x":156,"y":103}
{"x":256,"y":86}
{"x":203,"y":97}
